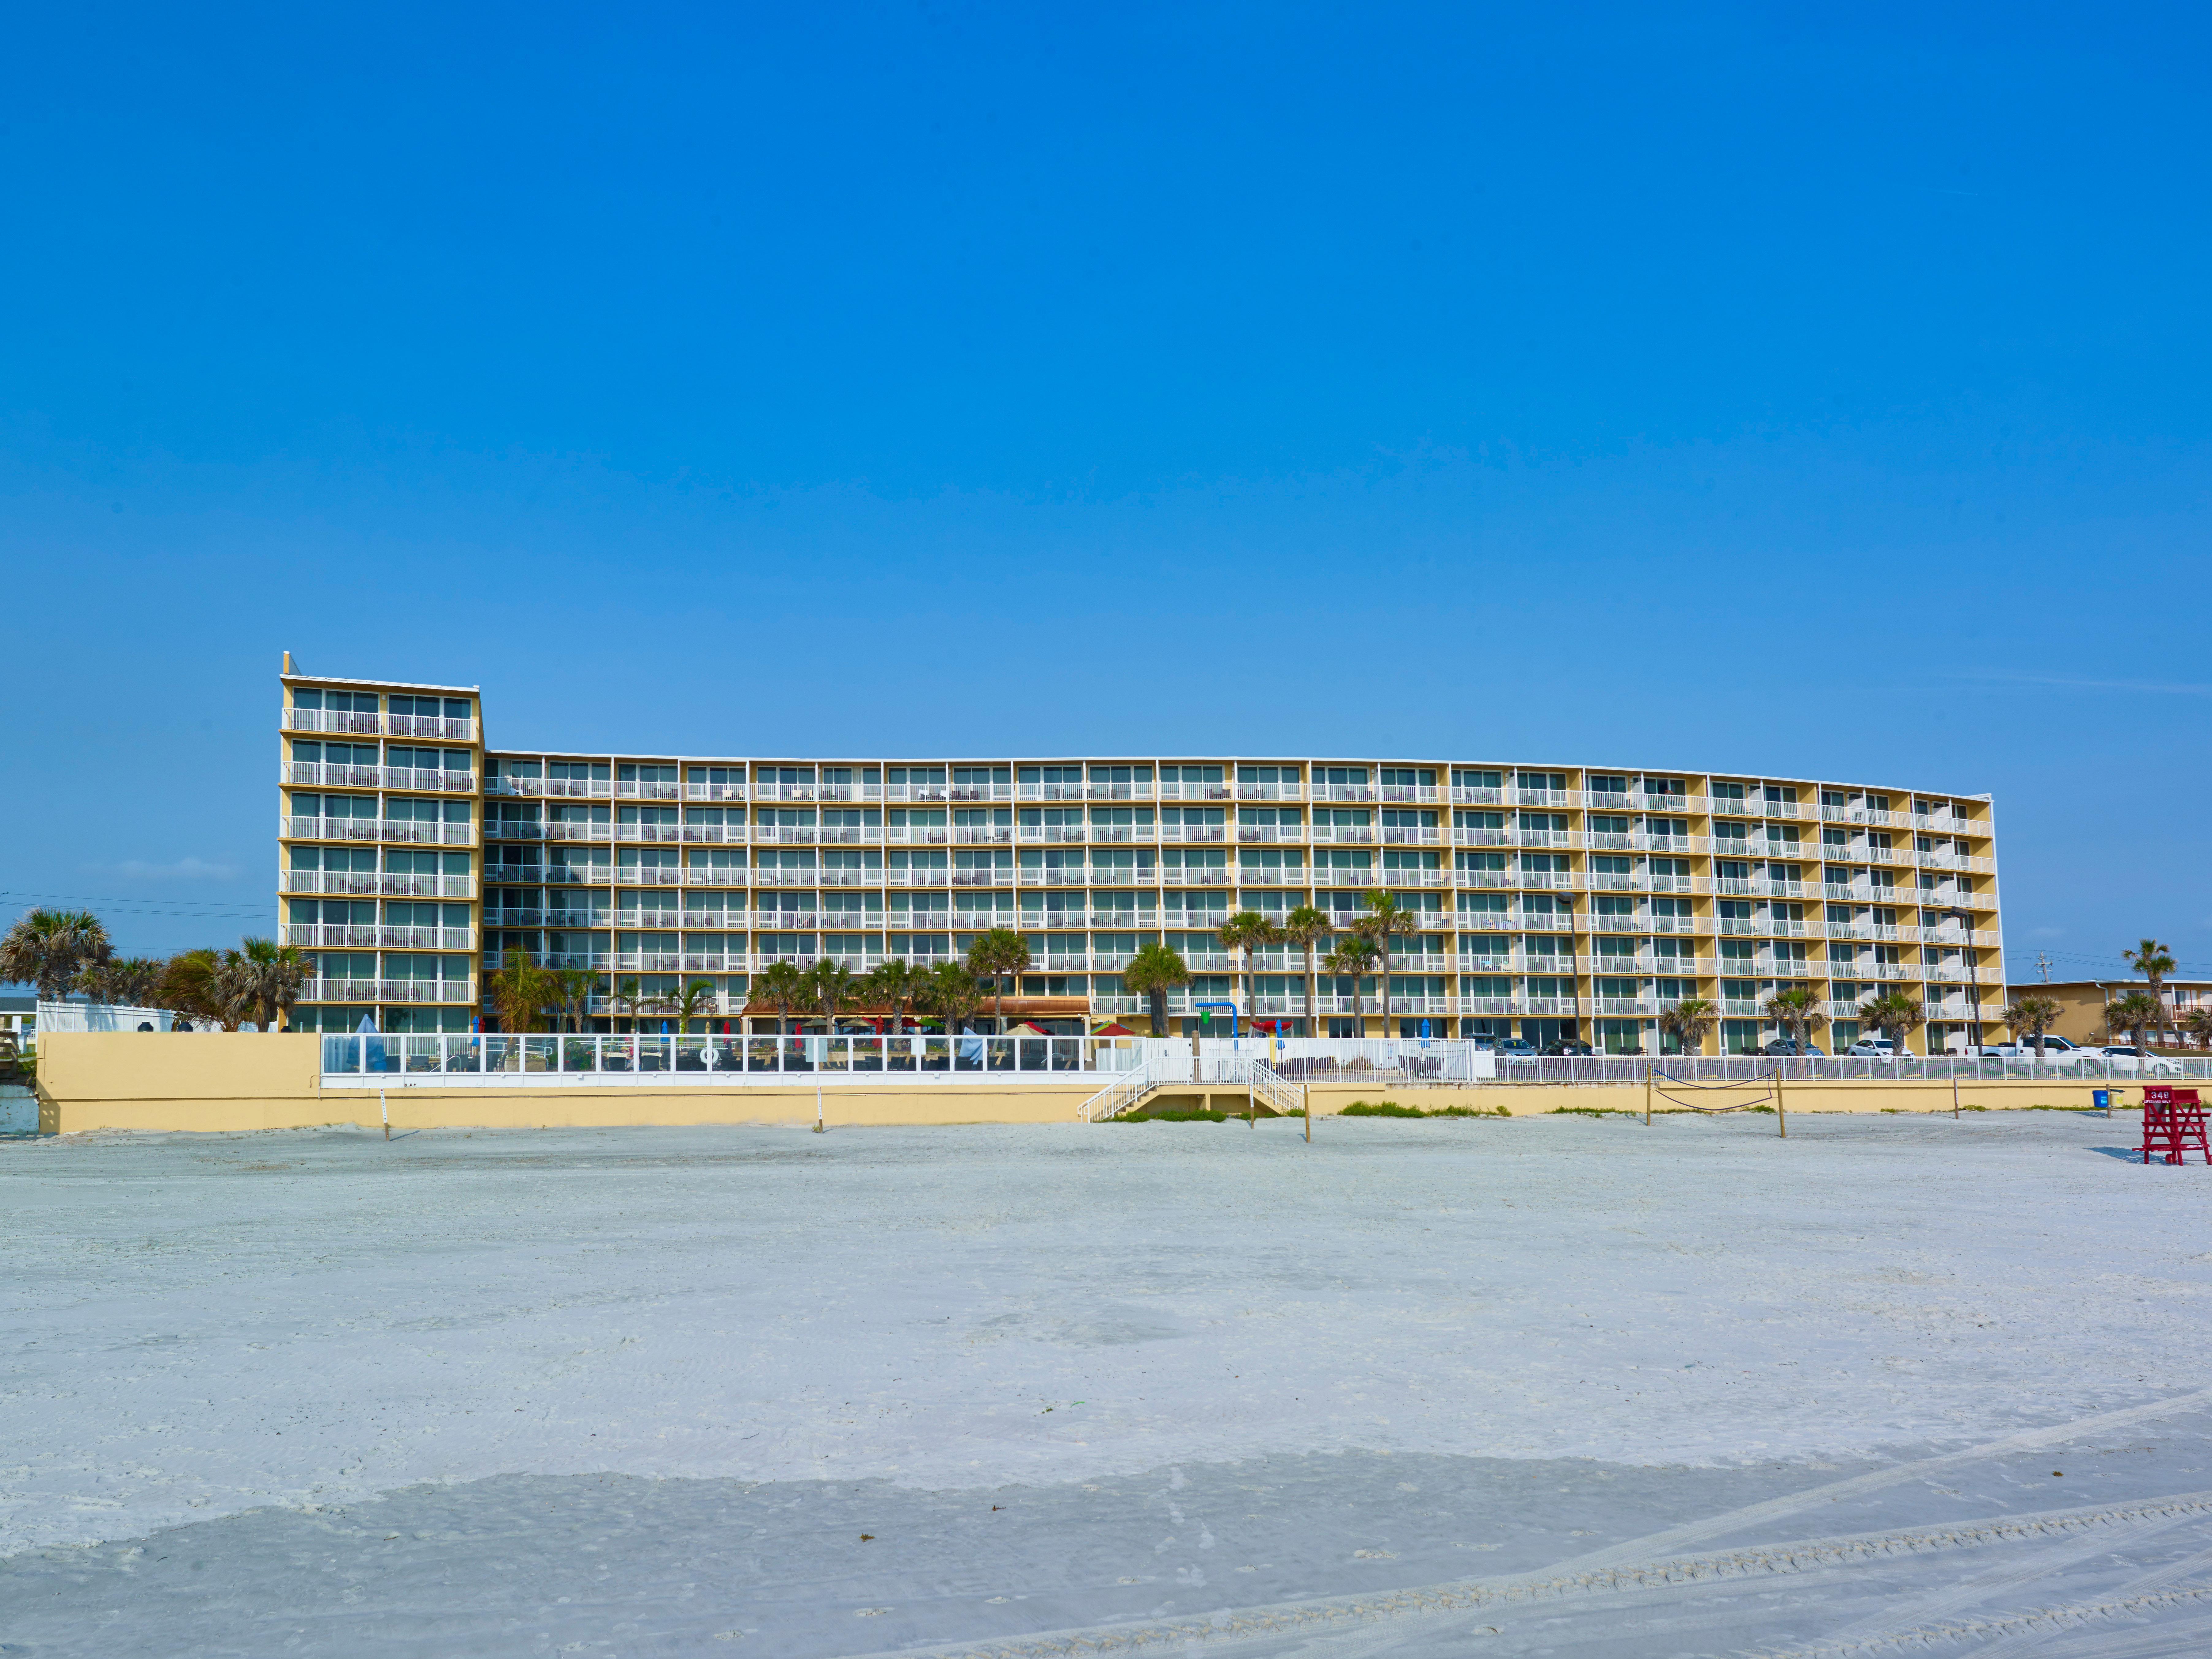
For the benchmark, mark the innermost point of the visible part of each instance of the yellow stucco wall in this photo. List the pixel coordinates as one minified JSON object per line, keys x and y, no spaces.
{"x":235,"y":1081}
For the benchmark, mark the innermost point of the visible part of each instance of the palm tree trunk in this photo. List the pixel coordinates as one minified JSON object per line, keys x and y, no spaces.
{"x":1383,"y":940}
{"x":1310,"y":990}
{"x":999,"y":1002}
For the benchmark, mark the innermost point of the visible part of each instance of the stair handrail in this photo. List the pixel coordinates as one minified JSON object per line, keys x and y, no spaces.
{"x":1125,"y":1092}
{"x":1277,"y":1090}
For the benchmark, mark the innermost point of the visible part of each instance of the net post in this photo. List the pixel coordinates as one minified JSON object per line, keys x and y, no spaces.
{"x":1781,"y":1116}
{"x":1647,"y":1092}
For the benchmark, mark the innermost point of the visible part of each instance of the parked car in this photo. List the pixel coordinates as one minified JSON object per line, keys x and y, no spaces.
{"x":1515,"y":1048}
{"x":1790,"y":1049}
{"x":1568,"y":1048}
{"x":1878,"y":1047}
{"x":2053,"y":1047}
{"x":2125,"y":1059}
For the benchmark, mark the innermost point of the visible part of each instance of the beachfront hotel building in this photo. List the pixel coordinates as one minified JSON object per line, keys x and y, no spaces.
{"x":1557,"y":901}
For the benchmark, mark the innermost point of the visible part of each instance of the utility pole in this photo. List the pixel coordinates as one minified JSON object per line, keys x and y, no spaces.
{"x":2043,"y":966}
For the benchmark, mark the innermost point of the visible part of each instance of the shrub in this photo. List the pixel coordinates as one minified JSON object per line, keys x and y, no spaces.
{"x":1381,"y":1108}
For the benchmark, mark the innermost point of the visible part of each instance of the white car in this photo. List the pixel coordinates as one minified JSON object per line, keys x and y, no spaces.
{"x":2119,"y":1059}
{"x":1872,"y":1049}
{"x":2123,"y":1058}
{"x":2053,"y":1048}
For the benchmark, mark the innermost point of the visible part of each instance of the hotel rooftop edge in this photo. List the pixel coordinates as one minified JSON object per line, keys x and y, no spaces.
{"x":1558,"y":901}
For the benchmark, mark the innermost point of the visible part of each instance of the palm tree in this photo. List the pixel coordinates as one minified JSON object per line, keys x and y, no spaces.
{"x":572,"y":991}
{"x":894,"y":984}
{"x":1795,"y":1010}
{"x":2135,"y":1014}
{"x":131,"y":982}
{"x":271,"y":976}
{"x":230,"y":989}
{"x":48,"y":948}
{"x":953,"y":993}
{"x":521,"y":989}
{"x":187,"y":985}
{"x":631,"y":999}
{"x":782,"y":986}
{"x":1305,"y":927}
{"x":1155,"y":970}
{"x":2033,"y":1015}
{"x":1897,"y":1015}
{"x":1250,"y":931}
{"x":1384,"y":917}
{"x":1355,"y":955}
{"x":1687,"y":1022}
{"x":2199,"y":1024}
{"x":2154,"y":962}
{"x":831,"y":983}
{"x":993,"y":955}
{"x":686,"y":1004}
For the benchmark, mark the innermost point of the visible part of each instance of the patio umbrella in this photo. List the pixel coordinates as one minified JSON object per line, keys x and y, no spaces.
{"x":1027,"y":1028}
{"x":1112,"y":1028}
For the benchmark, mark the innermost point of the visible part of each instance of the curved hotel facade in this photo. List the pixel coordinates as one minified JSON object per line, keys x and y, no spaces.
{"x":1557,"y":901}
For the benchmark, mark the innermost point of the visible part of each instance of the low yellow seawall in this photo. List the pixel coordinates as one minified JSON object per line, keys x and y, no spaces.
{"x":229,"y":1082}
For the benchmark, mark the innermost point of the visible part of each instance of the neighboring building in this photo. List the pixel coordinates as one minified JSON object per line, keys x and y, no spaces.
{"x":19,"y":1016}
{"x":2082,"y":1004}
{"x":1558,"y":901}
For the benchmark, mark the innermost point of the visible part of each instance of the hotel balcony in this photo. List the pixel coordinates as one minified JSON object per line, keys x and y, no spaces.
{"x":411,"y":830}
{"x":925,"y":878}
{"x":1417,"y":836}
{"x":1420,"y":794}
{"x":674,"y":832}
{"x":341,"y":722}
{"x":322,"y":936}
{"x":1270,"y":792}
{"x":994,"y":837}
{"x":983,"y":878}
{"x":421,"y":779}
{"x":1197,"y":833}
{"x":914,"y":792}
{"x":1337,"y":834}
{"x":389,"y":990}
{"x":1645,"y":1005}
{"x":1265,"y":834}
{"x":632,"y":789}
{"x":366,"y":883}
{"x":1466,"y":797}
{"x":1053,"y":834}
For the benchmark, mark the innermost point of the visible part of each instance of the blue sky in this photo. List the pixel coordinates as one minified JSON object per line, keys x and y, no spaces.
{"x":1727,"y":388}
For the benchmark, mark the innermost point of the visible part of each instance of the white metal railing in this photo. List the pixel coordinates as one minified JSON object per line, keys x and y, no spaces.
{"x":389,"y":990}
{"x":342,"y":937}
{"x":367,"y":724}
{"x":387,"y":883}
{"x":726,"y":1056}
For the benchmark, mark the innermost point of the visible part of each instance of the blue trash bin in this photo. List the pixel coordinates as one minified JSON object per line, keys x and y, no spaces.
{"x":2103,"y":1097}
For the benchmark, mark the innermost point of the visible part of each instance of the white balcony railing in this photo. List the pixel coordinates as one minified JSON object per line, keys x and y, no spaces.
{"x":328,"y":936}
{"x":382,"y":882}
{"x":389,"y":990}
{"x":343,"y":722}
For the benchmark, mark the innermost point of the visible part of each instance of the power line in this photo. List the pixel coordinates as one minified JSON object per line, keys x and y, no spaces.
{"x":211,"y":908}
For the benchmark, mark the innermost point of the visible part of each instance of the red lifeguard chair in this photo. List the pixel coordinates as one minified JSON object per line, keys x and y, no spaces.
{"x":2173,"y":1122}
